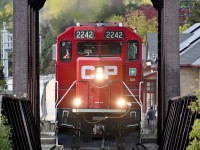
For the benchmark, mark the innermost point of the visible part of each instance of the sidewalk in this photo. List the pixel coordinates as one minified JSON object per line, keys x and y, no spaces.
{"x":149,"y":135}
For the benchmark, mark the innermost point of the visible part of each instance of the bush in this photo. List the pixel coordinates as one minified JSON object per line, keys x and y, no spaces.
{"x":5,"y":134}
{"x":195,"y":132}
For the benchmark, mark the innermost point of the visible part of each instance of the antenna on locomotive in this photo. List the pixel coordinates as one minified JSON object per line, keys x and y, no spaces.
{"x":78,"y":24}
{"x":99,"y":23}
{"x":120,"y":24}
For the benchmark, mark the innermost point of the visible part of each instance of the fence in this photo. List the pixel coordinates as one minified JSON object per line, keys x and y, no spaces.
{"x":25,"y":135}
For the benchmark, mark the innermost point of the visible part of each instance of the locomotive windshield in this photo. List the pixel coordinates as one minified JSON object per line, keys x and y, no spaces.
{"x":106,"y":48}
{"x":88,"y":48}
{"x":111,"y":48}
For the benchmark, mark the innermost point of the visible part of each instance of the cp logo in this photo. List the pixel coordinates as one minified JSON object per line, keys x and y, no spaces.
{"x":108,"y":71}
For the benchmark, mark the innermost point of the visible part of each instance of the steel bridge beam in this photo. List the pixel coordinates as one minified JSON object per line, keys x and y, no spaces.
{"x":168,"y":57}
{"x":26,"y":52}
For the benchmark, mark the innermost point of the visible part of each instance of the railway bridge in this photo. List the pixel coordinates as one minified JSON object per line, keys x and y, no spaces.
{"x":26,"y":58}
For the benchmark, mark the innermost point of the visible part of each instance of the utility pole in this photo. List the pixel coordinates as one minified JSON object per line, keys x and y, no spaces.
{"x":6,"y":47}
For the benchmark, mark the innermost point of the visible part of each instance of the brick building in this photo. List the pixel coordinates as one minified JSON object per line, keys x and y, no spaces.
{"x":189,"y":64}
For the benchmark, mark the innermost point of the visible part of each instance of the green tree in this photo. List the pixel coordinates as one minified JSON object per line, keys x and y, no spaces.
{"x":138,"y":21}
{"x":4,"y":2}
{"x":184,"y":27}
{"x":5,"y":143}
{"x":115,"y":18}
{"x":111,"y":11}
{"x":195,"y":11}
{"x":3,"y":85}
{"x":58,"y":25}
{"x":46,"y":65}
{"x":6,"y":13}
{"x":137,"y":2}
{"x":195,"y":133}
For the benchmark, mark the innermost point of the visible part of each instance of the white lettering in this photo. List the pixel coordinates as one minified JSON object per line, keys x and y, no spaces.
{"x":108,"y":71}
{"x":83,"y":72}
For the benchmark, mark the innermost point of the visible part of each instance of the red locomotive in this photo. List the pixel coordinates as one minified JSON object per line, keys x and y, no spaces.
{"x":99,"y":76}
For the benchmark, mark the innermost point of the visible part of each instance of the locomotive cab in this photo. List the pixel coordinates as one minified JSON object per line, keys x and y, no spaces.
{"x":98,"y":73}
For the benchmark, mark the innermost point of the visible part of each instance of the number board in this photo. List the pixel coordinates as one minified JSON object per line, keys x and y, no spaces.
{"x":114,"y":34}
{"x":84,"y":34}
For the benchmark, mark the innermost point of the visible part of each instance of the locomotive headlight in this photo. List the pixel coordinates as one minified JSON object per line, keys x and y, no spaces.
{"x":77,"y":102}
{"x":99,"y":73}
{"x":121,"y":103}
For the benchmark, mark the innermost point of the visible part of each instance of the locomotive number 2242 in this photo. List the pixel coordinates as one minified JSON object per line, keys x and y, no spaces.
{"x":114,"y":34}
{"x":84,"y":34}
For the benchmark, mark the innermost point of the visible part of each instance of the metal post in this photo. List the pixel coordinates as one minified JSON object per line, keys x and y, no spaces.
{"x":26,"y":52}
{"x":6,"y":47}
{"x":168,"y":57}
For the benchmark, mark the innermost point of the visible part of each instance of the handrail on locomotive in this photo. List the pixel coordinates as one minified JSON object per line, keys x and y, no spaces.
{"x":139,"y":102}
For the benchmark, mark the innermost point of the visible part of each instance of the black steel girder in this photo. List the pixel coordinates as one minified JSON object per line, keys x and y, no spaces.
{"x":26,"y":52}
{"x":168,"y":57}
{"x":158,"y":4}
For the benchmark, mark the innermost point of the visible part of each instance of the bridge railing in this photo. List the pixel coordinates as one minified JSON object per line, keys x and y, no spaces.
{"x":18,"y":111}
{"x":179,"y":123}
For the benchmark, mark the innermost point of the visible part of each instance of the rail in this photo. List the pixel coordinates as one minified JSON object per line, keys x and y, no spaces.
{"x":58,"y":102}
{"x":138,"y":101}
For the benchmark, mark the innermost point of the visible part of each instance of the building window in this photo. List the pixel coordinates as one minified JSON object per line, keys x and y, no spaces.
{"x":150,"y":86}
{"x":150,"y":94}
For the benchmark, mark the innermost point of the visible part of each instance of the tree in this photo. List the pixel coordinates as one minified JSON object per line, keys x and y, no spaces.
{"x":5,"y":143}
{"x":183,"y":27}
{"x":6,"y":14}
{"x":195,"y":12}
{"x":138,"y":2}
{"x":3,"y":85}
{"x":115,"y":18}
{"x":46,"y":65}
{"x":109,"y":12}
{"x":138,"y":21}
{"x":149,"y":11}
{"x":4,"y":2}
{"x":195,"y":133}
